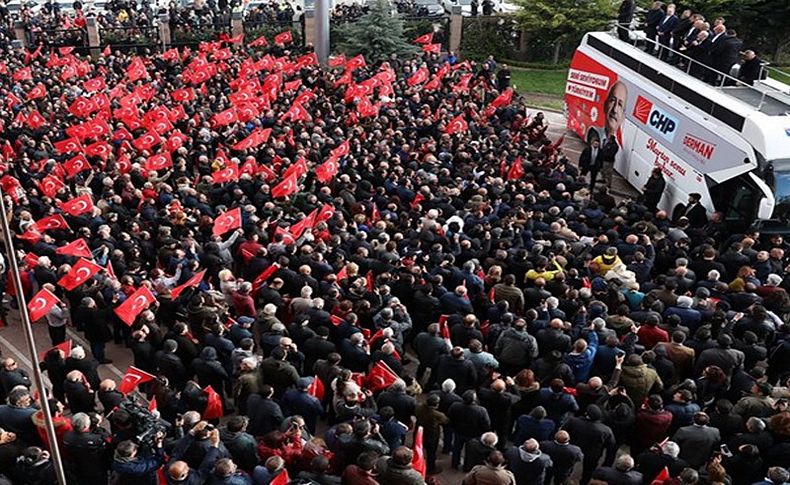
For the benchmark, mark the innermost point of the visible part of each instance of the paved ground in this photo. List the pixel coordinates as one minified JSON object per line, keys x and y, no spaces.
{"x":12,"y":340}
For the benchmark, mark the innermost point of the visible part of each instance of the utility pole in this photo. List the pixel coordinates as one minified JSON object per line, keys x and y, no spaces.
{"x":322,"y":30}
{"x":13,"y":268}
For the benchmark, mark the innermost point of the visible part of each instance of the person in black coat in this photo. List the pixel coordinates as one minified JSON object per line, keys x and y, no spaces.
{"x":55,"y":365}
{"x":396,"y":398}
{"x":695,"y":212}
{"x":751,"y":67}
{"x":726,"y":51}
{"x":564,"y":456}
{"x":594,"y":437}
{"x":170,"y":365}
{"x":625,"y":15}
{"x":94,"y":322}
{"x":209,"y":371}
{"x":499,"y":402}
{"x":468,"y":420}
{"x":665,"y":28}
{"x":317,"y":347}
{"x":457,"y":368}
{"x":80,"y":398}
{"x":78,"y":361}
{"x":591,"y":161}
{"x":654,"y":189}
{"x":264,"y":413}
{"x":430,"y":347}
{"x":86,"y":449}
{"x":653,"y":18}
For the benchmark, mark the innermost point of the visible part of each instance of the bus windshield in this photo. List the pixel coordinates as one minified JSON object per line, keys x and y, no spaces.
{"x":779,"y":179}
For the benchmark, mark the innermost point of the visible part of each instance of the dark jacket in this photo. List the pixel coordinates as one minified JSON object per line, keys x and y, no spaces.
{"x":529,"y":468}
{"x":265,"y":415}
{"x":462,"y":371}
{"x":469,"y":420}
{"x":86,"y":453}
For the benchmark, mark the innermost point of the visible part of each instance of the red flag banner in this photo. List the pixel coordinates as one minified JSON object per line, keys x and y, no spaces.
{"x":78,"y":205}
{"x":50,"y":185}
{"x":41,"y":304}
{"x":134,"y":305}
{"x":316,"y":388}
{"x":282,"y":478}
{"x":380,"y":377}
{"x":288,"y":186}
{"x":227,"y":221}
{"x":418,"y":461}
{"x":64,"y":346}
{"x":133,"y":378}
{"x":79,"y":274}
{"x":78,"y":248}
{"x":54,"y":222}
{"x":457,"y":125}
{"x":190,"y":283}
{"x":264,"y":276}
{"x":424,"y":39}
{"x":214,"y":409}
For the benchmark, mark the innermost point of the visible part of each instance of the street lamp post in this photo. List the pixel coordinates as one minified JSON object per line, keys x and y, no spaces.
{"x":322,"y":30}
{"x":13,"y":266}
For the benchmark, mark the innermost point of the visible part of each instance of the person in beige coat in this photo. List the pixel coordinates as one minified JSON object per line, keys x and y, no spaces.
{"x":492,"y":472}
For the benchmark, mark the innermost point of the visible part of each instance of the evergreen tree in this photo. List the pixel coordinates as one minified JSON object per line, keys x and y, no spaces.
{"x":376,"y":35}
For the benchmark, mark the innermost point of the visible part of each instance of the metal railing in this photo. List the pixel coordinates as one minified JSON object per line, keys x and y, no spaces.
{"x":720,"y":79}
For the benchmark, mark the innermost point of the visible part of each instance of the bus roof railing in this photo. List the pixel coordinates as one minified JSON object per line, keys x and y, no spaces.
{"x":722,"y":80}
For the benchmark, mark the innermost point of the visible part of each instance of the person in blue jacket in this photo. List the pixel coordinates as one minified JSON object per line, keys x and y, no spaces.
{"x":580,"y":359}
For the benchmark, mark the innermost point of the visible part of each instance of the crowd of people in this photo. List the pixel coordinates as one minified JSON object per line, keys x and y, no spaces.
{"x":707,"y":48}
{"x":337,"y":275}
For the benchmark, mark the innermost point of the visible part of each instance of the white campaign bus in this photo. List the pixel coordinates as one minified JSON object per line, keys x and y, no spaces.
{"x":731,"y":144}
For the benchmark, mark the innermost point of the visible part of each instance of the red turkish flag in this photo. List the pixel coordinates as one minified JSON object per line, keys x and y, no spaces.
{"x":133,"y":378}
{"x":418,"y":461}
{"x":38,"y":91}
{"x":78,"y":205}
{"x":297,"y":112}
{"x":288,"y":186}
{"x":662,"y":476}
{"x":257,"y":137}
{"x":297,"y":169}
{"x":79,"y":274}
{"x":159,"y":161}
{"x":264,"y":276}
{"x":152,"y":406}
{"x":64,"y":346}
{"x":183,"y":95}
{"x":23,"y":74}
{"x":69,"y":145}
{"x":342,"y":274}
{"x":31,"y":235}
{"x":503,"y":99}
{"x":100,"y":149}
{"x":380,"y":377}
{"x":432,"y":48}
{"x":147,"y":141}
{"x":78,"y":248}
{"x":214,"y":408}
{"x":76,"y":165}
{"x":94,"y":85}
{"x":370,"y":281}
{"x":341,"y":150}
{"x":190,"y":283}
{"x":337,"y":61}
{"x":424,"y":39}
{"x":316,"y":388}
{"x":356,"y":62}
{"x":227,"y":174}
{"x":325,"y":172}
{"x":516,"y":170}
{"x":50,"y":185}
{"x":306,"y":223}
{"x":462,"y":85}
{"x":171,"y":55}
{"x":336,"y":320}
{"x":227,"y":221}
{"x":282,"y":478}
{"x":419,"y":76}
{"x":259,"y":42}
{"x":325,"y":212}
{"x":49,"y":223}
{"x":284,"y":37}
{"x":81,"y":107}
{"x":225,"y":118}
{"x":41,"y":304}
{"x":134,"y":305}
{"x":457,"y":125}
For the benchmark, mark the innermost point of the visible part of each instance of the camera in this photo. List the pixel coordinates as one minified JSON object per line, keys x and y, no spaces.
{"x":145,"y":425}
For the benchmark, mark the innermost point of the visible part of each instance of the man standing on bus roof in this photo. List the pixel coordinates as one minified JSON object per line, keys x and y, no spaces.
{"x":695,"y":212}
{"x":750,"y":68}
{"x":665,"y":28}
{"x":614,"y":109}
{"x":654,"y":189}
{"x":625,"y":15}
{"x":653,"y":18}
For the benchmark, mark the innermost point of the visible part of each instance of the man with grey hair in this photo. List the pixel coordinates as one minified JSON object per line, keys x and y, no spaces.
{"x":93,"y":321}
{"x":78,"y":360}
{"x":650,"y":462}
{"x":564,"y":456}
{"x":528,"y":463}
{"x":85,"y":447}
{"x":622,"y":472}
{"x":755,"y":435}
{"x":477,"y":450}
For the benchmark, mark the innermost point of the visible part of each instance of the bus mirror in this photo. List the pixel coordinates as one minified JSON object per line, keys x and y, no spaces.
{"x":766,"y":208}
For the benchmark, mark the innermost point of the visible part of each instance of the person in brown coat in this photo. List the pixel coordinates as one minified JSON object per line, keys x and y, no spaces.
{"x":681,"y":356}
{"x":492,"y":472}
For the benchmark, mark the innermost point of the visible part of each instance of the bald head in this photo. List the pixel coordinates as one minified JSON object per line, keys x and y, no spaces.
{"x":178,"y":470}
{"x":498,"y":385}
{"x":562,"y":437}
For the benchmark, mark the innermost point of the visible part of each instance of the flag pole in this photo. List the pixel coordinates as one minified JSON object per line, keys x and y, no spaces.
{"x":13,"y":266}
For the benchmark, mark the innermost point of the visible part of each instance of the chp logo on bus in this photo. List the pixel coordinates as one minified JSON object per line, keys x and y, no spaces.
{"x":650,"y":115}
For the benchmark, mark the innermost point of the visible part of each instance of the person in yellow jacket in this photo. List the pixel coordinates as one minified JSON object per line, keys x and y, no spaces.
{"x":607,"y":261}
{"x":542,"y":270}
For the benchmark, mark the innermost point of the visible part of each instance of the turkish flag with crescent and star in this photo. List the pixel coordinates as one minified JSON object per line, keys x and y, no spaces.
{"x":41,"y":304}
{"x":64,"y":346}
{"x":134,"y":305}
{"x":227,"y":221}
{"x":49,"y":223}
{"x":78,"y":205}
{"x":79,"y":274}
{"x":457,"y":125}
{"x":50,"y":185}
{"x":288,"y":186}
{"x":133,"y":378}
{"x":78,"y":248}
{"x":190,"y":283}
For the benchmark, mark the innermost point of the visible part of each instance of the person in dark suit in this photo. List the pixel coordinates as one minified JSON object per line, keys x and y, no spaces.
{"x":681,"y":30}
{"x":695,"y":212}
{"x":654,"y":189}
{"x":652,"y":20}
{"x":591,"y":161}
{"x":699,"y":50}
{"x":625,"y":15}
{"x":664,"y":30}
{"x":726,"y":53}
{"x":750,"y":68}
